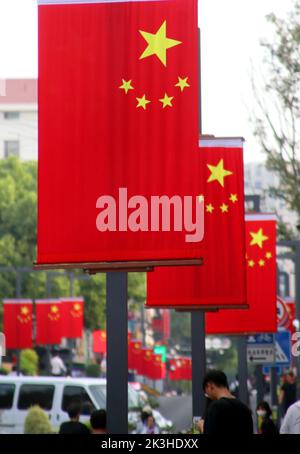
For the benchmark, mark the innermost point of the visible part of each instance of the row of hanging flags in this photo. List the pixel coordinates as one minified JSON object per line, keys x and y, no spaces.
{"x":46,"y":322}
{"x":118,"y":108}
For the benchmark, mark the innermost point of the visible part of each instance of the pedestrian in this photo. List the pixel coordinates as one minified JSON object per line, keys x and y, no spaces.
{"x":74,"y":426}
{"x":267,"y":425}
{"x":291,"y":422}
{"x":58,"y":368}
{"x":225,"y":415}
{"x":150,"y":426}
{"x":98,"y":422}
{"x":288,"y":392}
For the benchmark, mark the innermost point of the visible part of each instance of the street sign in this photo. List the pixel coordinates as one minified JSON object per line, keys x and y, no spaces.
{"x":261,"y":349}
{"x":282,"y":341}
{"x":161,"y":350}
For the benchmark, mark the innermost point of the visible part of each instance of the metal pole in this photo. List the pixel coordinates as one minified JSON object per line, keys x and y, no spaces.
{"x":117,"y":351}
{"x":259,"y":383}
{"x":198,"y":361}
{"x":242,"y":369}
{"x":297,"y":285}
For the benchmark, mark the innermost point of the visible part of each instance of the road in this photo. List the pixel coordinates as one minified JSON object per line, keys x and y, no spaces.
{"x":178,"y":409}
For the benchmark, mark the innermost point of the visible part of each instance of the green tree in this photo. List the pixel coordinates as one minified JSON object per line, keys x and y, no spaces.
{"x":278,"y":100}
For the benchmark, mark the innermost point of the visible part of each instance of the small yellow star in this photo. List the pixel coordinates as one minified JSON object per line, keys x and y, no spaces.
{"x":24,"y":310}
{"x":54,"y":309}
{"x":218,"y":173}
{"x":209,"y":208}
{"x":142,"y":102}
{"x":261,"y":263}
{"x":258,"y":238}
{"x":182,"y":83}
{"x":224,"y":208}
{"x":167,"y":101}
{"x":126,"y":86}
{"x":251,"y":263}
{"x":158,"y":43}
{"x":233,"y":198}
{"x":269,"y":255}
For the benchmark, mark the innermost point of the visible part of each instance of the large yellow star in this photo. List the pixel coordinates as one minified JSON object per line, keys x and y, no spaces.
{"x":54,"y":309}
{"x":24,"y":310}
{"x":218,"y":173}
{"x":158,"y":43}
{"x":258,"y":238}
{"x":76,"y":307}
{"x":167,"y":101}
{"x":142,"y":102}
{"x":126,"y":86}
{"x":182,"y":83}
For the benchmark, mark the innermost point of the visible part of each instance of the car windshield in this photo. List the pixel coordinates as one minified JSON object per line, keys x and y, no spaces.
{"x":99,"y":394}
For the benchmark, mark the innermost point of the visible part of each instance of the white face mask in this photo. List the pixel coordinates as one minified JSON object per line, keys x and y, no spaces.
{"x":261,"y":413}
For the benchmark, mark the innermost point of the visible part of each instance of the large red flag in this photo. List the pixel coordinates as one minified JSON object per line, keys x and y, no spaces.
{"x":147,"y":367}
{"x":49,"y":322}
{"x":99,"y":341}
{"x":261,"y":317}
{"x":17,"y":323}
{"x":72,"y":309}
{"x":221,"y":281}
{"x":137,"y":356}
{"x":175,"y":369}
{"x":158,"y":368}
{"x":118,"y":117}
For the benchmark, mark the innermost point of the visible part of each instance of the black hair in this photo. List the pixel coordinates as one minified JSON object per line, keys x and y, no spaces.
{"x":98,"y":419}
{"x":265,"y":406}
{"x":74,"y":410}
{"x":217,"y":377}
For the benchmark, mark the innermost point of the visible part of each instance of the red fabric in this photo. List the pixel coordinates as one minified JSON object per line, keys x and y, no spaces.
{"x":261,"y":317}
{"x":158,"y":368}
{"x":73,"y":317}
{"x":49,"y":322}
{"x":147,"y":363}
{"x":94,"y":140}
{"x":221,"y":281}
{"x":99,"y":341}
{"x":17,"y":323}
{"x":175,"y":370}
{"x":137,"y":356}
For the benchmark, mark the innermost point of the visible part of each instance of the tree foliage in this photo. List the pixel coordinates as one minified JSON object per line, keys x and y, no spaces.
{"x":278,"y":99}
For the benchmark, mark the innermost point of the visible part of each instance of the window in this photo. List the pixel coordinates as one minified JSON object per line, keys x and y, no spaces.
{"x":6,"y":395}
{"x":41,"y":395}
{"x":11,"y":148}
{"x":78,"y":395}
{"x":11,"y":115}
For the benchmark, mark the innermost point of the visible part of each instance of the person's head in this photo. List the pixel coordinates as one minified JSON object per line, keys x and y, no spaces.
{"x":263,"y":409}
{"x":290,"y":377}
{"x":150,"y":422}
{"x":98,"y":421}
{"x":74,"y":410}
{"x":144,"y":416}
{"x":215,"y":384}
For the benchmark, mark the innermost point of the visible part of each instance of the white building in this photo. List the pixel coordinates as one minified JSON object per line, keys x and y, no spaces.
{"x":18,"y":118}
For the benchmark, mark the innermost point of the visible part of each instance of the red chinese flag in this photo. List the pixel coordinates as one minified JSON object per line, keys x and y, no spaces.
{"x":221,"y":281}
{"x":118,"y":110}
{"x":186,"y":372}
{"x":137,"y":356}
{"x":158,"y":368}
{"x":147,"y":368}
{"x":17,"y":323}
{"x":99,"y":341}
{"x":73,"y":317}
{"x":175,"y":372}
{"x":261,"y":317}
{"x":49,"y":318}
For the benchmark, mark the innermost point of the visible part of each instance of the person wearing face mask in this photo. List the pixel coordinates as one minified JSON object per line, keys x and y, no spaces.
{"x":226,"y":415}
{"x":267,"y":426}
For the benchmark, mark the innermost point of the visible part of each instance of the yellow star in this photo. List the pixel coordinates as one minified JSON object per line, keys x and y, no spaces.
{"x":76,"y":307}
{"x":54,"y":309}
{"x":224,"y":208}
{"x":209,"y":208}
{"x":182,"y":83}
{"x":218,"y":173}
{"x":167,"y":101}
{"x":269,"y":255}
{"x":126,"y":86}
{"x":261,"y":263}
{"x":251,"y":263}
{"x":158,"y":43}
{"x":142,"y":102}
{"x":233,"y":198}
{"x":24,"y":310}
{"x":258,"y":238}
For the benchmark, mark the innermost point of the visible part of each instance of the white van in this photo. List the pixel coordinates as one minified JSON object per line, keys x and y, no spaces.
{"x":54,"y":395}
